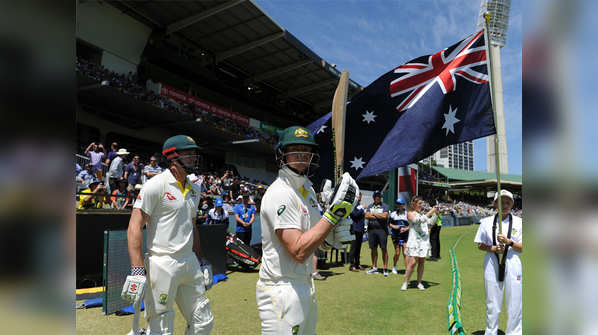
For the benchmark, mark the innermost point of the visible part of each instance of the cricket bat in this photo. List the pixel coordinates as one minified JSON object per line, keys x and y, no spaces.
{"x":339,"y":107}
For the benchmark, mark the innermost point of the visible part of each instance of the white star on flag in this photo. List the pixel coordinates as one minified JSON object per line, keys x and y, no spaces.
{"x":450,"y":120}
{"x":368,"y":117}
{"x":357,"y":163}
{"x":321,"y":130}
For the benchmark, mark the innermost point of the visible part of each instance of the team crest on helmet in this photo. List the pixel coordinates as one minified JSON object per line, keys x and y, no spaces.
{"x":190,"y":139}
{"x":300,"y":132}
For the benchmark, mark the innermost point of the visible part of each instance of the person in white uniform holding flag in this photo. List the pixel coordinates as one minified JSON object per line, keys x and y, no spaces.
{"x":167,"y":205}
{"x":509,"y":282}
{"x":292,"y":228}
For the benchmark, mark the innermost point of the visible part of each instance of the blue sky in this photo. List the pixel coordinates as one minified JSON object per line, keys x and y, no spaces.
{"x":370,"y":37}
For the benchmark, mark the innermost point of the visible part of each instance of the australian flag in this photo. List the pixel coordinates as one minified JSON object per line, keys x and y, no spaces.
{"x":413,"y":111}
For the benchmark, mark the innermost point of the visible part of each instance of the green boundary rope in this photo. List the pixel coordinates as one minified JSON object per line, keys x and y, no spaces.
{"x":455,"y":323}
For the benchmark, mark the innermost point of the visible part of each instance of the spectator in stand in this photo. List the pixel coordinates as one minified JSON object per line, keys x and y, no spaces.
{"x":135,"y":196}
{"x":78,"y":169}
{"x":205,"y":186}
{"x":235,"y":188}
{"x":96,"y":153}
{"x":96,"y":197}
{"x":216,"y":188}
{"x":151,"y":170}
{"x":228,"y":207}
{"x":116,"y":167}
{"x":217,"y":215}
{"x":244,"y":216}
{"x":133,"y":173}
{"x":120,"y":196}
{"x":112,"y":154}
{"x":226,"y":183}
{"x":202,"y":212}
{"x":86,"y":177}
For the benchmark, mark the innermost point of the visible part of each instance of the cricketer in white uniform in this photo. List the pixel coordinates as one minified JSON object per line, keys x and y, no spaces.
{"x":292,"y":229}
{"x":511,"y":286}
{"x":167,"y":205}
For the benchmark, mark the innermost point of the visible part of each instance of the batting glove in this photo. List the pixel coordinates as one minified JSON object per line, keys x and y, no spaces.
{"x":326,"y":193}
{"x":342,"y":232}
{"x":134,"y":287}
{"x":342,"y":200}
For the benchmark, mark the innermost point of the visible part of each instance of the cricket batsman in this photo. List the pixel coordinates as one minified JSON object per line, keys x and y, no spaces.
{"x":171,"y":271}
{"x":292,"y":228}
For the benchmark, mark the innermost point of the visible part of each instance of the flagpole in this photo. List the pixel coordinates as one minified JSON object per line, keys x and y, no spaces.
{"x":492,"y":99}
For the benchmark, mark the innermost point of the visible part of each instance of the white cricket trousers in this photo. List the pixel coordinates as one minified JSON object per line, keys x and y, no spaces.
{"x":510,"y":288}
{"x":287,"y":307}
{"x":177,"y":279}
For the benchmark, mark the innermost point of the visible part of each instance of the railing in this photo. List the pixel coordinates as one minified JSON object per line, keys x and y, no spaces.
{"x":84,"y":160}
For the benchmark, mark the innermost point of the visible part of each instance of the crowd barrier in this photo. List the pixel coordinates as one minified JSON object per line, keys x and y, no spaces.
{"x":449,"y":220}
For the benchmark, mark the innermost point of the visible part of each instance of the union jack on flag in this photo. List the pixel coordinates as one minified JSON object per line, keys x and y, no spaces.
{"x":412,"y":111}
{"x":421,"y":73}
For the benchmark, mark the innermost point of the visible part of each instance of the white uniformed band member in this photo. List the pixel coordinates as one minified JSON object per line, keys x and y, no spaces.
{"x":511,"y":285}
{"x":292,"y":229}
{"x":167,"y":205}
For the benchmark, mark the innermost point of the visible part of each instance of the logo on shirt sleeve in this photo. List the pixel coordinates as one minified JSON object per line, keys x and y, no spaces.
{"x":281,"y":209}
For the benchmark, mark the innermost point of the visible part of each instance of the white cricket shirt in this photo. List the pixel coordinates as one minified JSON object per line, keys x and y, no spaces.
{"x":290,"y":202}
{"x":171,"y":210}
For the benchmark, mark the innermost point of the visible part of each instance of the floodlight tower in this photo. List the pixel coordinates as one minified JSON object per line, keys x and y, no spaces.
{"x":497,"y":32}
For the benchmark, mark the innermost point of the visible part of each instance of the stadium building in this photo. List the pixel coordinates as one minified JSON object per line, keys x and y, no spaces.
{"x":224,"y":73}
{"x":456,"y":156}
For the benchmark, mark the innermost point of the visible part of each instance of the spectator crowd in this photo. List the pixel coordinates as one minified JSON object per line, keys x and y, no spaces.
{"x":129,"y":84}
{"x":112,"y":180}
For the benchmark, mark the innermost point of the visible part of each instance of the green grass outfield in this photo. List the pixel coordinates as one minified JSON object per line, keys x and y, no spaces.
{"x":348,"y":302}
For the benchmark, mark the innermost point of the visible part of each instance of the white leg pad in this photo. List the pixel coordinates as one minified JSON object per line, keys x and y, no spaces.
{"x":161,"y":324}
{"x":202,"y":320}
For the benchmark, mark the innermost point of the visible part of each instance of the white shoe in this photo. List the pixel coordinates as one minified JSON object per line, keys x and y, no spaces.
{"x":385,"y":273}
{"x":371,"y":271}
{"x":404,"y":287}
{"x":394,"y":271}
{"x":421,"y":286}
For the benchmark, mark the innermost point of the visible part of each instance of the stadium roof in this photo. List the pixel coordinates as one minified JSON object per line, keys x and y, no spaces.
{"x":239,"y":35}
{"x":473,"y":176}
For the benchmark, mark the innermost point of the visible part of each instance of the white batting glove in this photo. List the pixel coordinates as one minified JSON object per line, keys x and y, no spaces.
{"x":326,"y":193}
{"x":342,"y":232}
{"x":206,"y":270}
{"x":342,"y":200}
{"x":134,"y":289}
{"x":331,"y":242}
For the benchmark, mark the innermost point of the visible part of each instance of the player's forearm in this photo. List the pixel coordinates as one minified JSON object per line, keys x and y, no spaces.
{"x":135,"y":238}
{"x":306,"y":243}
